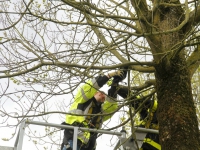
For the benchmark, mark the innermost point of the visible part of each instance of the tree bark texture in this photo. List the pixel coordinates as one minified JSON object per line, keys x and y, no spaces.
{"x":178,"y":126}
{"x":176,"y":112}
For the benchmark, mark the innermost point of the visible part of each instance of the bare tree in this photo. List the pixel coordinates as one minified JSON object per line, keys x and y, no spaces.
{"x":51,"y":47}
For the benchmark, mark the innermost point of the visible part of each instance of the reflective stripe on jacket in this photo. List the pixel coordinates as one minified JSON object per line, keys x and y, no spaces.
{"x":153,"y":143}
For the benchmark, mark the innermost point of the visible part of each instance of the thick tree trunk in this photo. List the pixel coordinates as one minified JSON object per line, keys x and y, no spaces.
{"x":176,"y":112}
{"x":178,"y":126}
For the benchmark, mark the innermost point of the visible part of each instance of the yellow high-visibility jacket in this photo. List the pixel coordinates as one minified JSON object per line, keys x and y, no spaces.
{"x":83,"y":104}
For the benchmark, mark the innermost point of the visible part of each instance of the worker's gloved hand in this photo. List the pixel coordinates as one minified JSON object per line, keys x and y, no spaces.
{"x":118,"y":73}
{"x":119,"y":76}
{"x":112,"y":92}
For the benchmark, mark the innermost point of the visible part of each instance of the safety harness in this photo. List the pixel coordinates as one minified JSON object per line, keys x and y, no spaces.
{"x":147,"y":123}
{"x":94,"y":121}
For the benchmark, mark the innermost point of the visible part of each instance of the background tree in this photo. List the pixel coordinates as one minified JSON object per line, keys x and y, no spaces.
{"x":49,"y":47}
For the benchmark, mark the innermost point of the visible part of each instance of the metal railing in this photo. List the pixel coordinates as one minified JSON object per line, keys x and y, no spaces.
{"x":19,"y":140}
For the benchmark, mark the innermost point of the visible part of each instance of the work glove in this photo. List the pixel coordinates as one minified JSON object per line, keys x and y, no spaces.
{"x":119,"y":76}
{"x":116,"y":73}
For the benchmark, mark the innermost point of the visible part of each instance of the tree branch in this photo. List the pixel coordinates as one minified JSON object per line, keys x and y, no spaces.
{"x":194,"y":19}
{"x":193,"y":61}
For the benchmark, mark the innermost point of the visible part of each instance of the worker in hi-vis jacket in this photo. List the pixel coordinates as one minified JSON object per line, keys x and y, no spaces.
{"x":148,"y":117}
{"x":89,"y":100}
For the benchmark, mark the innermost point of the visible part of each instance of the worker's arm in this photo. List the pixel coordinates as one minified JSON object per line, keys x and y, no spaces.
{"x":88,"y":90}
{"x":110,"y":105}
{"x":123,"y":92}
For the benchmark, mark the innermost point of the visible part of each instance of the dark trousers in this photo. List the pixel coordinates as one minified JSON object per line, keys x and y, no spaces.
{"x":68,"y":140}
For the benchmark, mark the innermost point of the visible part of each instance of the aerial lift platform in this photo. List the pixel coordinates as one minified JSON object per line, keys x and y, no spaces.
{"x":124,"y":143}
